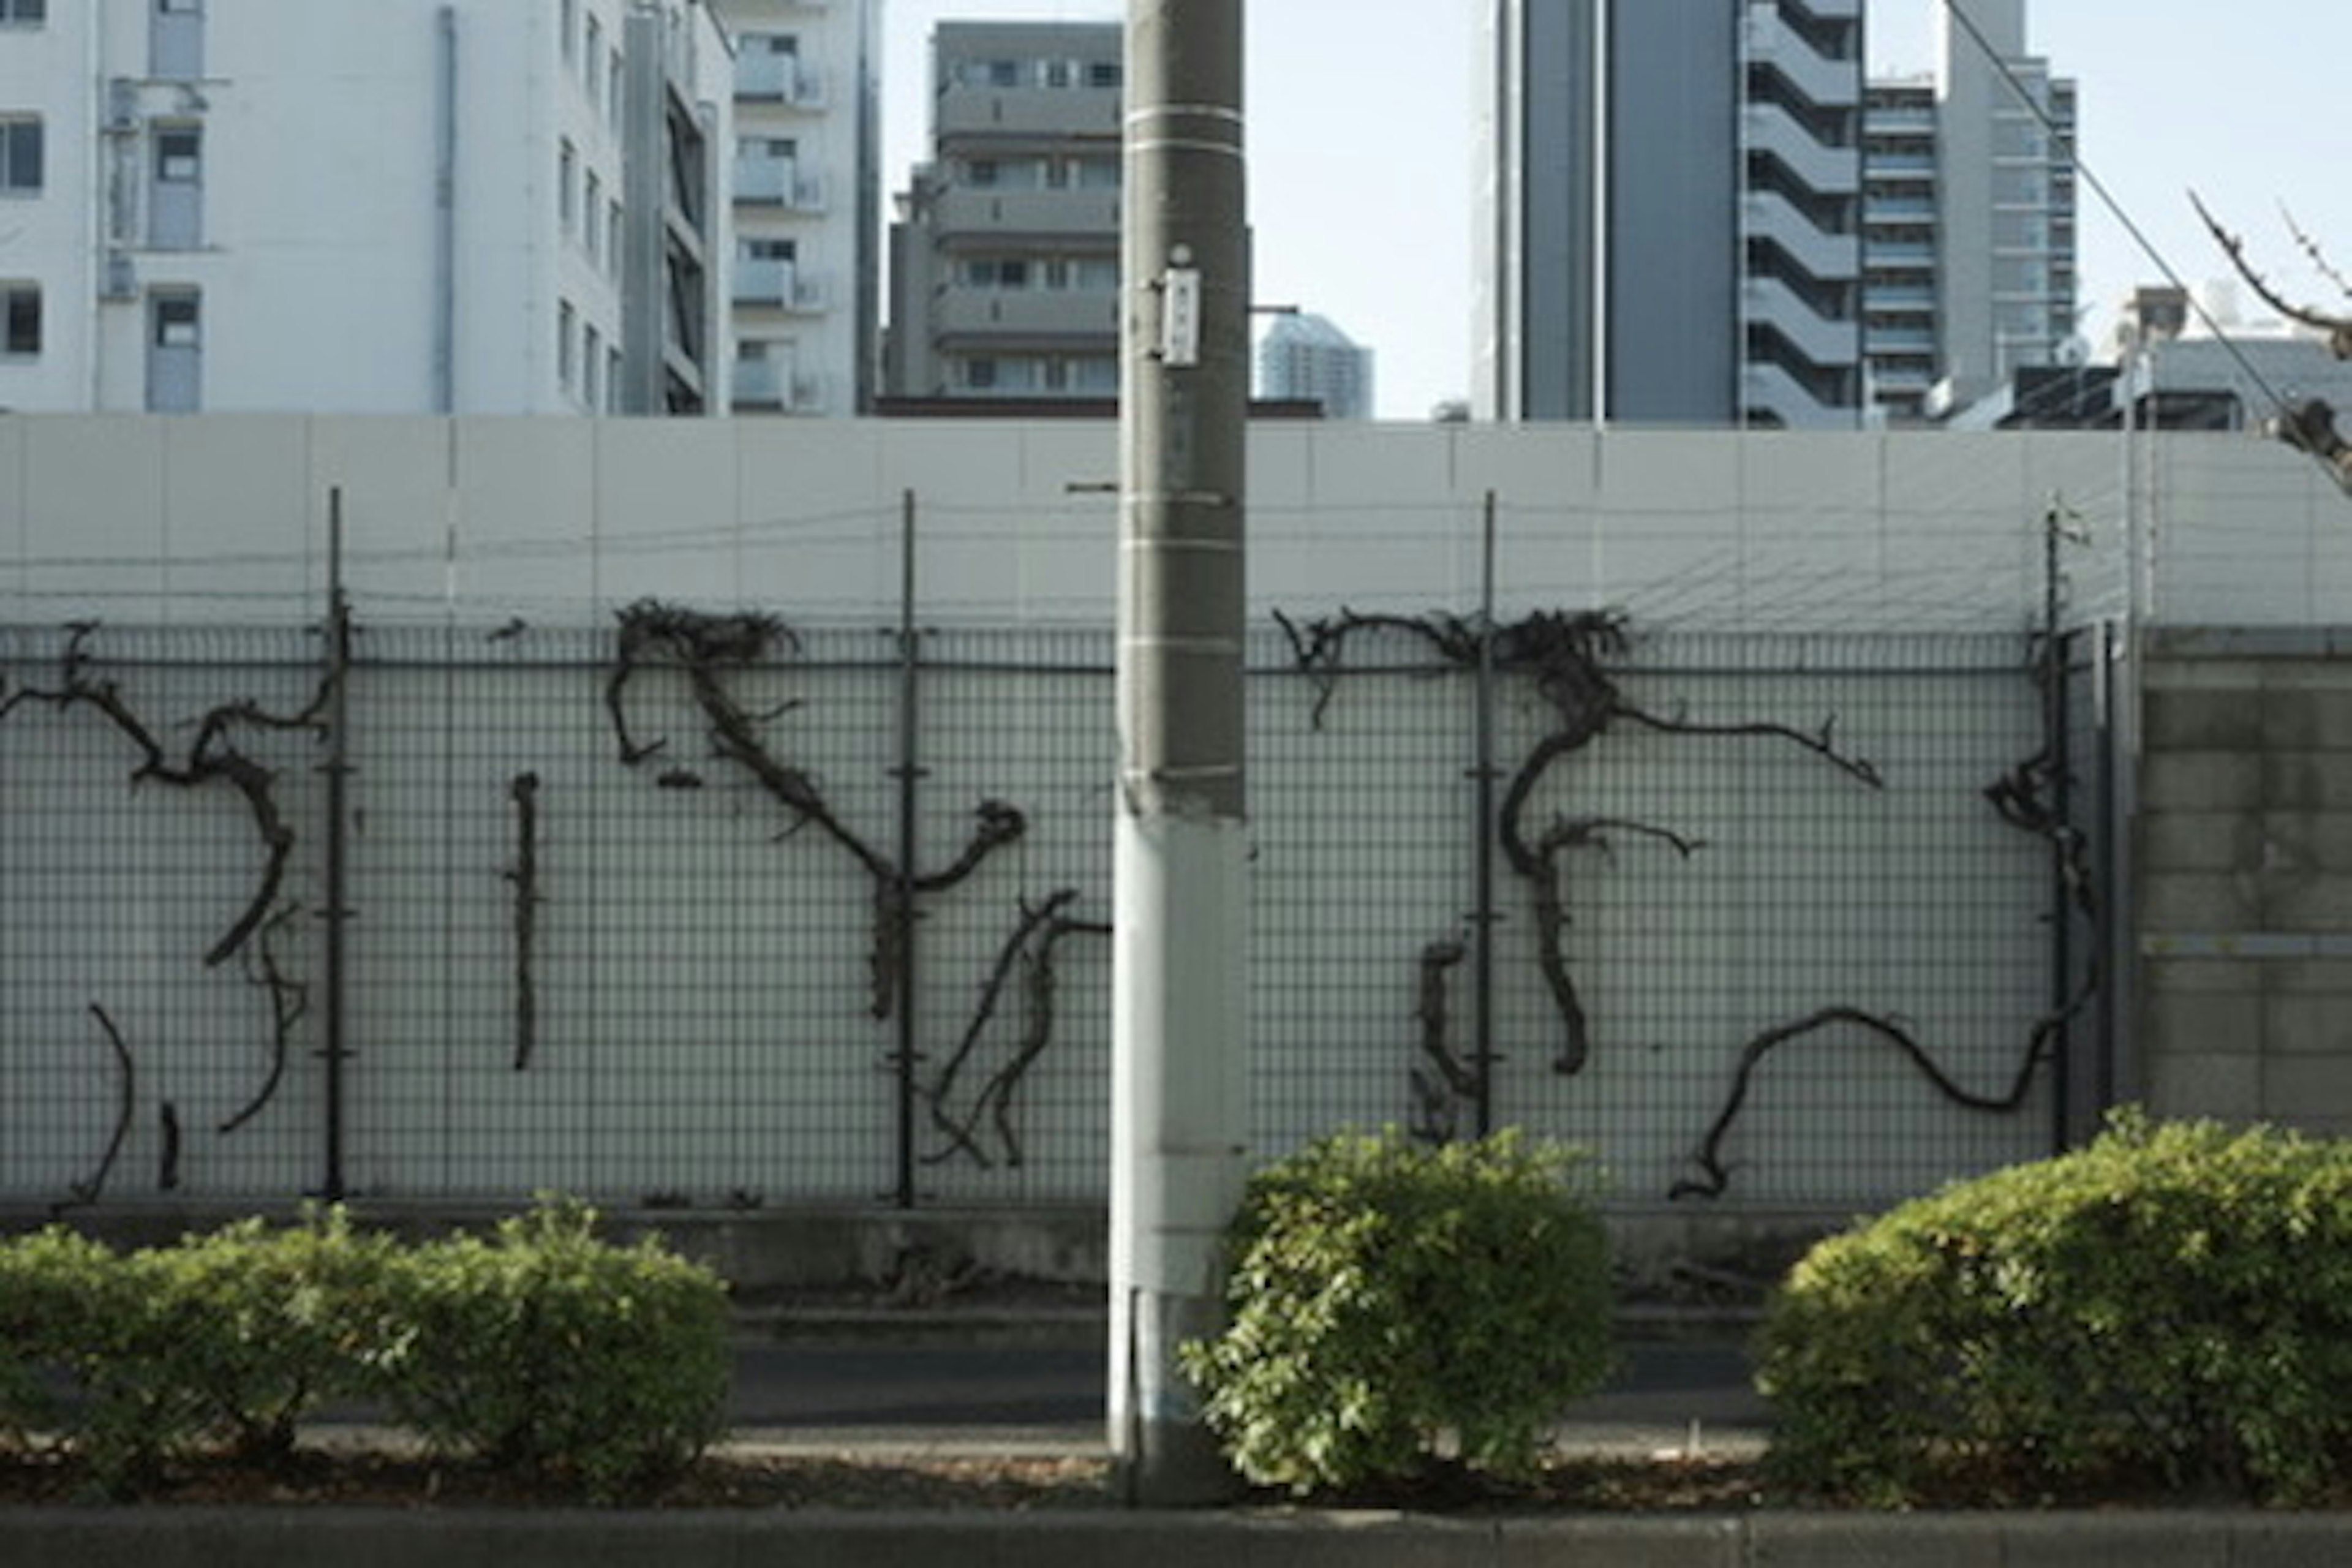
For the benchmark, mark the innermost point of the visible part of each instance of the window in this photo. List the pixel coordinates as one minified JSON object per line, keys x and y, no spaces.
{"x":1004,"y":73}
{"x":592,"y":69}
{"x":612,"y":87}
{"x":980,"y":172}
{"x":567,"y":24}
{"x":592,"y":369}
{"x":1102,"y":73}
{"x":175,"y":200}
{"x":174,"y":352}
{"x":20,"y":157}
{"x":22,"y":303}
{"x":23,"y":13}
{"x":591,"y":202}
{"x":612,"y":381}
{"x":980,"y":375}
{"x":567,"y":178}
{"x":566,"y":325}
{"x":771,"y":250}
{"x":613,"y":237}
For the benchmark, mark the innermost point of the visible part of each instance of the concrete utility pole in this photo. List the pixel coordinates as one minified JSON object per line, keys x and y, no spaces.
{"x":1180,"y":866}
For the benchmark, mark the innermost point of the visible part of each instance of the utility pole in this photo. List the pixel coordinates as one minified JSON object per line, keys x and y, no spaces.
{"x":1180,"y":862}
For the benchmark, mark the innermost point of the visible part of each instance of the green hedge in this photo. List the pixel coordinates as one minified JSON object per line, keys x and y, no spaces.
{"x":540,"y":1348}
{"x":1394,"y":1304}
{"x":2168,"y":1307}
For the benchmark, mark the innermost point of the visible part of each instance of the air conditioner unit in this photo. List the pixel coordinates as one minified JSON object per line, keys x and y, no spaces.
{"x":120,"y":280}
{"x":122,"y":104}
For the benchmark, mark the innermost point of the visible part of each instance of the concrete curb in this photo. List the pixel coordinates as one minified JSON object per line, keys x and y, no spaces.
{"x":379,"y":1538}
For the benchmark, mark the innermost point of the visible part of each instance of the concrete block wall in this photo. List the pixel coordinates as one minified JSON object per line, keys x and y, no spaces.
{"x":2242,"y":841}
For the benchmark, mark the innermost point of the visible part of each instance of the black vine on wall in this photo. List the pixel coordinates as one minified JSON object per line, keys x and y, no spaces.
{"x":1564,"y":655}
{"x":705,"y":647}
{"x":523,"y":876}
{"x":2027,"y":797}
{"x":1040,"y":930}
{"x":126,"y":1105}
{"x":288,"y":1000}
{"x":212,"y":758}
{"x":1443,"y":1082}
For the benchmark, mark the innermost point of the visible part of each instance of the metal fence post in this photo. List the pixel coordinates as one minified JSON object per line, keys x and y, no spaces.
{"x":908,"y":775}
{"x":1483,"y":919}
{"x":337,"y":768}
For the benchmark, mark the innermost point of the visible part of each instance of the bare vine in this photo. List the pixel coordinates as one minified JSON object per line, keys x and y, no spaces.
{"x":1564,"y":655}
{"x":523,"y":876}
{"x":1441,"y":1080}
{"x":212,"y":757}
{"x":705,"y":647}
{"x":288,"y":1000}
{"x":126,"y":1102}
{"x":2026,"y":799}
{"x":1029,"y":951}
{"x":167,"y":1160}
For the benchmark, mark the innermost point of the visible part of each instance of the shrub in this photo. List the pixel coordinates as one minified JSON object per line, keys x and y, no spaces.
{"x":261,"y":1323}
{"x":1391,"y":1301}
{"x":546,"y":1351}
{"x":53,"y":1288}
{"x":2170,"y":1306}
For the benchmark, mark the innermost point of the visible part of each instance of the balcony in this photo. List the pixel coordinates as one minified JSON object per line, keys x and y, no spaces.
{"x":991,"y":211}
{"x":766,"y":384}
{"x":762,"y":77}
{"x":1050,"y":112}
{"x":1045,"y":314}
{"x":763,"y":284}
{"x":778,"y":183}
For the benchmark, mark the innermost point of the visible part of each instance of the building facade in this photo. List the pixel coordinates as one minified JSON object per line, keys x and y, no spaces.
{"x":409,"y":207}
{"x":1968,"y":219}
{"x":1004,"y":264}
{"x":1667,"y":227}
{"x":1304,"y":358}
{"x":805,"y":184}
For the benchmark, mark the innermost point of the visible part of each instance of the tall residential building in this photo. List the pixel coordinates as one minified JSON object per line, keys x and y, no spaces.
{"x":1969,"y":218}
{"x":404,"y":206}
{"x":1303,"y":358}
{"x":1004,"y":257}
{"x":1669,"y":223}
{"x":806,"y":185}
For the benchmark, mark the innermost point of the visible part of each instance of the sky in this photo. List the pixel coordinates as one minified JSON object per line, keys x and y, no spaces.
{"x":1361,"y":147}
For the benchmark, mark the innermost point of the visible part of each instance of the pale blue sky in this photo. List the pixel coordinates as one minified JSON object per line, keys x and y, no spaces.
{"x":1360,"y":146}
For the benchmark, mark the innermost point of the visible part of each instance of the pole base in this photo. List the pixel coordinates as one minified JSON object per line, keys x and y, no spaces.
{"x":1174,"y":1464}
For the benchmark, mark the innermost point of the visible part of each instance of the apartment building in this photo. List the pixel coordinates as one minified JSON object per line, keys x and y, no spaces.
{"x":1004,"y":260}
{"x":805,"y":184}
{"x":406,"y":206}
{"x":1305,"y":358}
{"x":1669,"y":222}
{"x":1969,"y":219}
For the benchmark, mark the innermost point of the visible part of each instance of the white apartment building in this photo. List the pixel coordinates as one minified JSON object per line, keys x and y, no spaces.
{"x":805,"y":179}
{"x":486,"y":206}
{"x":1305,"y":358}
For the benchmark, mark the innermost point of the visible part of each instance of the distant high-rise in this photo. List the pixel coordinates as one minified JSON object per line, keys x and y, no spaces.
{"x":1700,"y":213}
{"x":1304,"y":358}
{"x":404,"y":206}
{"x":1669,"y":221}
{"x":806,"y":188}
{"x":1005,"y":259}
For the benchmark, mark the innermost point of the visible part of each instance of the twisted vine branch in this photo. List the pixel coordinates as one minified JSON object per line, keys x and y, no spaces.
{"x":212,"y":758}
{"x":705,"y":646}
{"x":524,"y":876}
{"x":288,"y":1000}
{"x":1442,"y":1081}
{"x":1039,"y":931}
{"x":1563,"y":654}
{"x":126,"y":1102}
{"x":2026,"y":799}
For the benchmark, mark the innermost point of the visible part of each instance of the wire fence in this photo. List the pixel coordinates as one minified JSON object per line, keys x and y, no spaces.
{"x":708,"y":910}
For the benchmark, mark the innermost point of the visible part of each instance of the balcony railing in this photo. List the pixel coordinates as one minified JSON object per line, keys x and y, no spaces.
{"x":761,"y":282}
{"x":778,"y":78}
{"x":778,"y":183}
{"x":763,"y":383}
